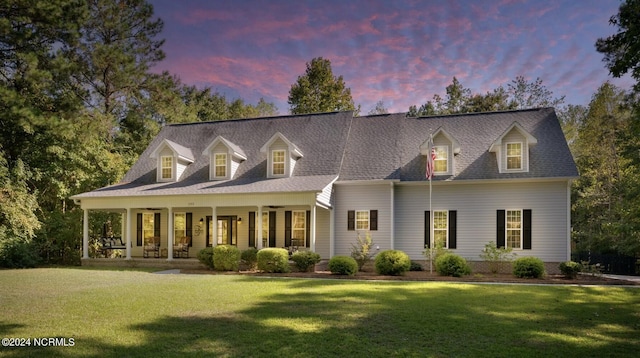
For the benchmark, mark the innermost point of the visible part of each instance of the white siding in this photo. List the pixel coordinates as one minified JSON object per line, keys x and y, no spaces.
{"x":477,"y":206}
{"x":362,"y":197}
{"x":322,"y":232}
{"x":180,"y":168}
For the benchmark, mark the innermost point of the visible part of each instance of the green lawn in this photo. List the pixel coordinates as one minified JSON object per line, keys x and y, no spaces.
{"x":140,"y":314}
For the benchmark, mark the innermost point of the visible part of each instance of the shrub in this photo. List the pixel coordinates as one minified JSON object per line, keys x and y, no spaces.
{"x":415,"y":266}
{"x":226,"y":258}
{"x":361,"y":251}
{"x":392,"y":262}
{"x":273,"y":260}
{"x":438,"y":250}
{"x":528,"y":267}
{"x":305,"y":260}
{"x":343,"y":265}
{"x":570,"y":269}
{"x":206,"y":257}
{"x":452,"y":265}
{"x":249,"y":257}
{"x":497,"y":257}
{"x":17,"y":253}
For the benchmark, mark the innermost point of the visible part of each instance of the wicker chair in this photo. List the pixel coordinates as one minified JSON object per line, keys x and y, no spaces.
{"x":182,"y":248}
{"x":152,"y":245}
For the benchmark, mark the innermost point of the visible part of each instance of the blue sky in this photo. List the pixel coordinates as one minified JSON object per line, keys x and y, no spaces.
{"x":400,"y":52}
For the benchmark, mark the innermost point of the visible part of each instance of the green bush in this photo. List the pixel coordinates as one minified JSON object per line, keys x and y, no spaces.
{"x":273,"y":260}
{"x":497,"y":257}
{"x":452,"y":265}
{"x":18,"y":253}
{"x":392,"y":262}
{"x":570,"y":269}
{"x":249,"y":257}
{"x":528,"y":267}
{"x":415,"y":266}
{"x":361,"y":251}
{"x":343,"y":265}
{"x":226,"y":258}
{"x":205,"y":256}
{"x":305,"y":260}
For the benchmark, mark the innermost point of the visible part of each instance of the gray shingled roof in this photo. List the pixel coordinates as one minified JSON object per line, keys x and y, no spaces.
{"x":377,"y":147}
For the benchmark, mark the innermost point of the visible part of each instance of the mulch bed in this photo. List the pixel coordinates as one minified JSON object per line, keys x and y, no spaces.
{"x":427,"y":276}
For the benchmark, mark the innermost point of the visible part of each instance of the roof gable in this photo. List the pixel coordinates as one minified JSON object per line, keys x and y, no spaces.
{"x":235,"y":150}
{"x":178,"y":150}
{"x":531,"y":140}
{"x":293,"y":149}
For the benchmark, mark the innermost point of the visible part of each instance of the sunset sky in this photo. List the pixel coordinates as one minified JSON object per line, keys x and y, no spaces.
{"x":400,"y":52}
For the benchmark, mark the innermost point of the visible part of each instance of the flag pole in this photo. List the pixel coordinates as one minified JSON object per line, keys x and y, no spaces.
{"x":430,"y":170}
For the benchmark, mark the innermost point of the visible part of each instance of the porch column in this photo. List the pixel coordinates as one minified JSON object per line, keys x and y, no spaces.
{"x":85,"y":234}
{"x":126,"y":233}
{"x":313,"y":229}
{"x":332,"y":232}
{"x":214,"y":234}
{"x":259,"y":226}
{"x":170,"y":233}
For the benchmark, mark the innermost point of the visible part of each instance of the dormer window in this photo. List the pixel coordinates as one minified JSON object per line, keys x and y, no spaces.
{"x":277,"y":162}
{"x":442,"y":159}
{"x":167,"y":168}
{"x":172,"y":160}
{"x":514,"y":156}
{"x":282,"y":156}
{"x":512,"y":149}
{"x":446,"y":148}
{"x":225,"y":158}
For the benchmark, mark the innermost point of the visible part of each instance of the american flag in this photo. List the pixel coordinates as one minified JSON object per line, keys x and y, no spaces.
{"x":430,"y":159}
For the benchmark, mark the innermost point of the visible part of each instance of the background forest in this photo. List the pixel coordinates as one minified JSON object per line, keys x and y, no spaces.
{"x":79,"y":103}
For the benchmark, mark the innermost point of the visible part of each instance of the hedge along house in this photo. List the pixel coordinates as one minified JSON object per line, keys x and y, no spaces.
{"x":317,"y":181}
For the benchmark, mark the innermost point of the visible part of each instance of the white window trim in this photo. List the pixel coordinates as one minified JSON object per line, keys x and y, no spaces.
{"x":162,"y":167}
{"x":152,"y":227}
{"x":507,"y":156}
{"x":445,"y":148}
{"x":215,"y":166}
{"x":368,"y":221}
{"x":304,"y":229}
{"x":284,"y":162}
{"x":506,"y":228}
{"x":446,"y":229}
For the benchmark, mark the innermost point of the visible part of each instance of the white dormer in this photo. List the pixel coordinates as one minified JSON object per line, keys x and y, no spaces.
{"x":225,"y":158}
{"x":172,"y":160}
{"x":447,"y":147}
{"x":512,"y":149}
{"x":282,"y":155}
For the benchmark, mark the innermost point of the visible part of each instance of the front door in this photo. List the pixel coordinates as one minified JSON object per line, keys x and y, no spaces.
{"x":227,"y":230}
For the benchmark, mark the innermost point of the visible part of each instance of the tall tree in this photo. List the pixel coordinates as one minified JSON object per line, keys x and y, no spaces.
{"x":378,"y":109}
{"x":318,"y":90}
{"x":622,"y":50}
{"x":524,"y":94}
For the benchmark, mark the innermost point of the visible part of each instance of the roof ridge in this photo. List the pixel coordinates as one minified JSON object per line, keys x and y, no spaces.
{"x":255,"y":118}
{"x":469,"y":114}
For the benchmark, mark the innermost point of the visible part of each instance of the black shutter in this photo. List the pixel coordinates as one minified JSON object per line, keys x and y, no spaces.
{"x":351,"y":220}
{"x":252,"y":229}
{"x":526,"y":225}
{"x":287,"y":228}
{"x":453,"y":228}
{"x":208,"y":232}
{"x":156,"y":225}
{"x":189,"y":230}
{"x":373,"y":220}
{"x":308,"y":226}
{"x":139,"y":229}
{"x":500,"y":234}
{"x":427,"y":229}
{"x":272,"y":229}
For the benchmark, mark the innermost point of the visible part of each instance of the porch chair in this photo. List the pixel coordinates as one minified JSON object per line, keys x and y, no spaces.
{"x":182,"y":248}
{"x":152,"y":245}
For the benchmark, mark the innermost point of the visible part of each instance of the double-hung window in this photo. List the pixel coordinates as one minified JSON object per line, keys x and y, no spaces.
{"x":277,"y":162}
{"x":179,"y":226}
{"x":167,"y":167}
{"x":220,"y":165}
{"x":440,"y":228}
{"x":514,"y":229}
{"x":514,"y":156}
{"x":441,"y":163}
{"x":299,"y":227}
{"x":362,"y":220}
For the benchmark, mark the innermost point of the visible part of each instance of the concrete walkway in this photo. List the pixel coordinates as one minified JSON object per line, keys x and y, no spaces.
{"x":168,"y":272}
{"x":623,"y":278}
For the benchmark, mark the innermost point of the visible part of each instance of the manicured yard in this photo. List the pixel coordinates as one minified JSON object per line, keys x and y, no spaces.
{"x":140,"y":314}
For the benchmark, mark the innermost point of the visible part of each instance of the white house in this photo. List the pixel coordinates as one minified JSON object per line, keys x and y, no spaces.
{"x":318,"y":180}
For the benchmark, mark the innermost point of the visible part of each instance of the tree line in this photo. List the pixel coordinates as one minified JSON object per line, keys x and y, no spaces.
{"x":79,"y":104}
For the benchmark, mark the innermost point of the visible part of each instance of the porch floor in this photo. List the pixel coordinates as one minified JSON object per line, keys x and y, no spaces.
{"x":190,"y":263}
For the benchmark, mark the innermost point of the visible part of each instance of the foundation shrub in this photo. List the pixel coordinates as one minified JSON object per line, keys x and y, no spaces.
{"x":392,"y":262}
{"x":226,"y":258}
{"x":528,"y":267}
{"x":205,"y":256}
{"x":343,"y":265}
{"x":452,"y":265}
{"x":273,"y":260}
{"x":249,"y":257}
{"x":415,"y":266}
{"x":570,"y":269}
{"x":305,"y":260}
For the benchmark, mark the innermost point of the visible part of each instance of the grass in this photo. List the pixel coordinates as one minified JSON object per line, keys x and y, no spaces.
{"x":139,"y":314}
